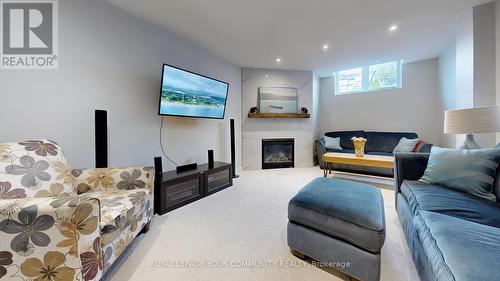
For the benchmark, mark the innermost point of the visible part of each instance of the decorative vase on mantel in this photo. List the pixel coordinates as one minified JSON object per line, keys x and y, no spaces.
{"x":359,"y":146}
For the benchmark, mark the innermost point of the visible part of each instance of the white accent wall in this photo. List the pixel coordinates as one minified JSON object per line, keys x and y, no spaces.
{"x":255,"y":129}
{"x":467,"y":68}
{"x":412,"y":108}
{"x":112,"y":60}
{"x":465,"y":61}
{"x":456,"y":74}
{"x":315,"y":107}
{"x":448,"y":90}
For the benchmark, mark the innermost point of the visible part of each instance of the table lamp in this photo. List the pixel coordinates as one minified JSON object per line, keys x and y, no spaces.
{"x":472,"y":121}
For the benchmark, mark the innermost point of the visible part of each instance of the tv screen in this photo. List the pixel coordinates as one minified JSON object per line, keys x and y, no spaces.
{"x":184,"y":93}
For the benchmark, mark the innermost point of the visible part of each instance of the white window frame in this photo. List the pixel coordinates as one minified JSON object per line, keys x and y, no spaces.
{"x":365,"y":83}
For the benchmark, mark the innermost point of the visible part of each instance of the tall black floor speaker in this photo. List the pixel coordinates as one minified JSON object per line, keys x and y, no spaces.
{"x":101,"y":139}
{"x":233,"y":148}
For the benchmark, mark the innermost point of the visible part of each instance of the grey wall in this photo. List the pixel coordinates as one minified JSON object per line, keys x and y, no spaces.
{"x":484,"y":63}
{"x":484,"y":55}
{"x":409,"y":109}
{"x":111,"y":60}
{"x":497,"y":60}
{"x":254,"y":130}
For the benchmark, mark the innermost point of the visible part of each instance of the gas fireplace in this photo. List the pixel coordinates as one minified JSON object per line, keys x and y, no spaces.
{"x":278,"y":153}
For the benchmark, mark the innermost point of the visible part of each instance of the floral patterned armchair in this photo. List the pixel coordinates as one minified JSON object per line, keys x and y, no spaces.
{"x":62,"y":224}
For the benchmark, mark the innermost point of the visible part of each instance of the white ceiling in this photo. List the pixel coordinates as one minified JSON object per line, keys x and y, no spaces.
{"x":253,"y":33}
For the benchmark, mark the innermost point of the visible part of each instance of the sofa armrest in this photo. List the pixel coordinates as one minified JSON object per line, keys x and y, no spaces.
{"x":426,"y":148}
{"x":409,"y":166}
{"x":63,"y":232}
{"x":101,"y":179}
{"x":320,"y":150}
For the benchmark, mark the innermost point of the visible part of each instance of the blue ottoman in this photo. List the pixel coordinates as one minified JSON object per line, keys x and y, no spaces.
{"x":339,"y":223}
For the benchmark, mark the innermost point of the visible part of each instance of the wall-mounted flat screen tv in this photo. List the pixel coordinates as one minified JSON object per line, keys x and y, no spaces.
{"x":187,"y":94}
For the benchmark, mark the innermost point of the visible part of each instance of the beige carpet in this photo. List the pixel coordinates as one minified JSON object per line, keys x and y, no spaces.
{"x":240,"y":234}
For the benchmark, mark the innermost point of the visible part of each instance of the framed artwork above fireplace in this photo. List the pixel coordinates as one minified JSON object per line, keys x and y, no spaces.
{"x":278,"y":100}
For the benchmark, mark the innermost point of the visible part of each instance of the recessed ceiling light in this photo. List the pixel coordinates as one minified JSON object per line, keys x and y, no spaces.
{"x":325,"y":47}
{"x":282,"y":82}
{"x":267,"y":75}
{"x":393,"y":27}
{"x":278,"y":60}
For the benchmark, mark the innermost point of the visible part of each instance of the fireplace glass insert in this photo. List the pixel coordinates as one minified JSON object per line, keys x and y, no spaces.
{"x":277,"y":153}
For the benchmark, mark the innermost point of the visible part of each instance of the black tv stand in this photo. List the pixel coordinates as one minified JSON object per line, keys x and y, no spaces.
{"x":175,"y":189}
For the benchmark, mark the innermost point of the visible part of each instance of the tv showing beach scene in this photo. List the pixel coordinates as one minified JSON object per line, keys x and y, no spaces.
{"x":188,"y":94}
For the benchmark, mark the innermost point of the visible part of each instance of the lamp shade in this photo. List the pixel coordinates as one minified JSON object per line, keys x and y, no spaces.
{"x":472,"y":120}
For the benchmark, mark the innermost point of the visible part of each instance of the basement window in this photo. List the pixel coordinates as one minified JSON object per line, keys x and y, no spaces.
{"x":369,"y":78}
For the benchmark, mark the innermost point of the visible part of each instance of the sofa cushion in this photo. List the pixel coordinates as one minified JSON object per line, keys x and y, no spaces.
{"x":496,"y":184}
{"x":458,"y":249}
{"x":470,"y":171}
{"x":345,"y":137}
{"x":120,"y":208}
{"x":428,"y":197}
{"x":112,"y":179}
{"x":332,"y":143}
{"x":348,"y":210}
{"x":385,"y":141}
{"x":406,"y":145}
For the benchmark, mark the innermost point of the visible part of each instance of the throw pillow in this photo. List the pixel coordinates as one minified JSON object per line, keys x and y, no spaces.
{"x":469,"y":171}
{"x":419,"y":145}
{"x":406,"y":145}
{"x":332,"y":143}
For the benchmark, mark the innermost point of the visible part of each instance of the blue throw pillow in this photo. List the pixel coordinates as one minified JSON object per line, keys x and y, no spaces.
{"x":469,"y":171}
{"x":332,"y":143}
{"x":406,"y":145}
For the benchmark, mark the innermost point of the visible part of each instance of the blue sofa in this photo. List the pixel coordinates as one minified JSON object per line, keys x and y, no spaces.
{"x":378,"y":143}
{"x":451,"y":235}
